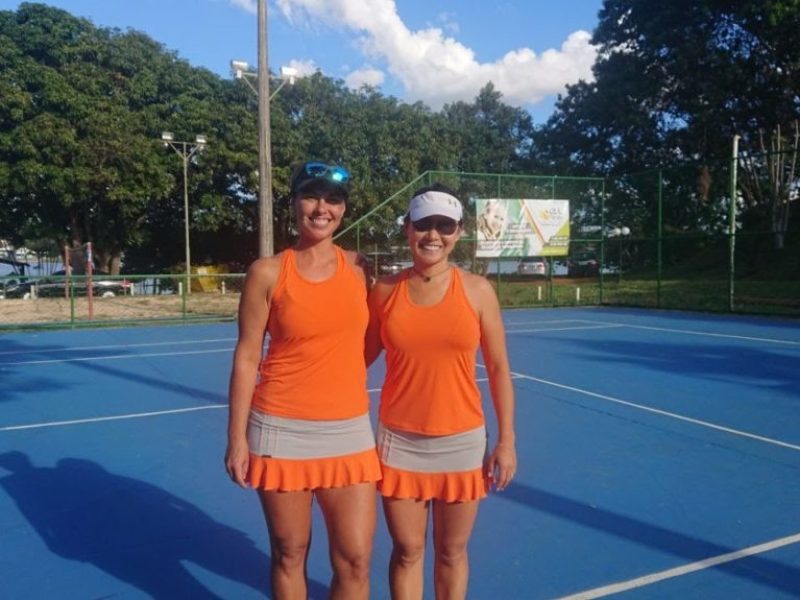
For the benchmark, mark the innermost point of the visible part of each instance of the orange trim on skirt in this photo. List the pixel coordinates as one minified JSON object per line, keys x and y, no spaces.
{"x":292,"y":475}
{"x":462,"y":486}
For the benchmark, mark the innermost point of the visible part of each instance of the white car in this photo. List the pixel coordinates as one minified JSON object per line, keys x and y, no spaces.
{"x":532,"y":265}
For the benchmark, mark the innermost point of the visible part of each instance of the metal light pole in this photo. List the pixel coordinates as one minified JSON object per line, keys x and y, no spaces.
{"x":241,"y":71}
{"x":266,"y":245}
{"x":186,"y":150}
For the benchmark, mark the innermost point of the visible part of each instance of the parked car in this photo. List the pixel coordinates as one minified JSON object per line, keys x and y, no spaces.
{"x":52,"y":286}
{"x":391,"y":268}
{"x":532,"y":265}
{"x":583,"y":264}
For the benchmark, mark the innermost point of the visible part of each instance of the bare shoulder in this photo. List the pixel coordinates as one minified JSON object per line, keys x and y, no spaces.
{"x":480,"y":292}
{"x":265,"y":271}
{"x":383,"y":288}
{"x":477,"y":284}
{"x":361,"y":264}
{"x":355,"y":258}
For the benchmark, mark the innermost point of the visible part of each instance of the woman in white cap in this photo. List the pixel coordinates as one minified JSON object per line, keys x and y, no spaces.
{"x":432,"y":440}
{"x":298,"y":426}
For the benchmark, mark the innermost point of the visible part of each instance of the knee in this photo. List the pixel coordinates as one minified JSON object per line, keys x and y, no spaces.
{"x":451,"y":555}
{"x":353,"y":566}
{"x":289,"y":555}
{"x":408,"y":554}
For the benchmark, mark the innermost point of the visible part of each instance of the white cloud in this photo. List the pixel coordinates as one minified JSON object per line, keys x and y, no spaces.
{"x":248,"y":5}
{"x":448,"y":21}
{"x":366,"y":76}
{"x":436,"y":68}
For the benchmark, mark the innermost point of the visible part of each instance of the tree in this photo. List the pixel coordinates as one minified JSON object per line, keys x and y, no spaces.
{"x":674,"y":83}
{"x":770,"y":180}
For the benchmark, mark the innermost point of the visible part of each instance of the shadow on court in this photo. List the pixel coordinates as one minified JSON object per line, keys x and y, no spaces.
{"x":763,"y":571}
{"x":132,"y":530}
{"x":770,"y":370}
{"x":148,"y":373}
{"x":16,"y":383}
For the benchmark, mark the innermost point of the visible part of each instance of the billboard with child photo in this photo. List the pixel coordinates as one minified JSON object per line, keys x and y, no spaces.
{"x":522,"y":227}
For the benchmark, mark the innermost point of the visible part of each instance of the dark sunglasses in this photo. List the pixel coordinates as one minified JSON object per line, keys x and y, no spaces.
{"x":330,"y":198}
{"x":444,"y":226}
{"x":333,"y":173}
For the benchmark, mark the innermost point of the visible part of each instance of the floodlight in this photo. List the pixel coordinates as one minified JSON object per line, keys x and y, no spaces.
{"x":167,"y":136}
{"x":239,"y":65}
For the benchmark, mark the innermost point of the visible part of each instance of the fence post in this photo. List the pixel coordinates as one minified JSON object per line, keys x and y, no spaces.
{"x":659,"y":234}
{"x":732,"y":224}
{"x":602,"y":239}
{"x":183,"y":296}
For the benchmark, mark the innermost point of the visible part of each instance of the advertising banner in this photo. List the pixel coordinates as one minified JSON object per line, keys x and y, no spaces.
{"x":522,"y":227}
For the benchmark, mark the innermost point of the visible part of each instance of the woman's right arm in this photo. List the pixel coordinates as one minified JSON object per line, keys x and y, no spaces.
{"x":378,"y":296}
{"x":254,"y":307}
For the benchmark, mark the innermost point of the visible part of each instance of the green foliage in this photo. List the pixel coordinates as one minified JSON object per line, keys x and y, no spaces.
{"x":82,"y":109}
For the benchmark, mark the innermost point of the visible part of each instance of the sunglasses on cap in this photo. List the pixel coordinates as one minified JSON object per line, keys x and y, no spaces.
{"x":333,"y":173}
{"x":443,"y":225}
{"x":316,"y":179}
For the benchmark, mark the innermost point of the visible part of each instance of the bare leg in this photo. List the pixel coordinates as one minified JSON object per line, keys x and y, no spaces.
{"x":408,"y":523}
{"x":288,"y":517}
{"x":452,"y":527}
{"x":350,"y":517}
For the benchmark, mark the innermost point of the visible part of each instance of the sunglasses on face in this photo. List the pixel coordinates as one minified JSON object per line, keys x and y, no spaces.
{"x":443,"y":225}
{"x":332,"y":173}
{"x":330,"y":198}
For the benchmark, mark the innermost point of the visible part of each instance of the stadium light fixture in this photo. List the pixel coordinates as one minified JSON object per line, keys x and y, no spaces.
{"x":186,"y":150}
{"x":288,"y":75}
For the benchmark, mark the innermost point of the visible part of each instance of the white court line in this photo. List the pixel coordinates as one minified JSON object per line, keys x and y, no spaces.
{"x":140,"y":345}
{"x":663,"y":413}
{"x":550,"y":321}
{"x":113,"y":418}
{"x":684,"y":570}
{"x":140,"y":415}
{"x":663,"y":329}
{"x":112,"y":357}
{"x":708,"y":334}
{"x":576,"y":328}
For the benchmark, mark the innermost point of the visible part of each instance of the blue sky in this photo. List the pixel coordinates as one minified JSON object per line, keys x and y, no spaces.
{"x":436,"y":51}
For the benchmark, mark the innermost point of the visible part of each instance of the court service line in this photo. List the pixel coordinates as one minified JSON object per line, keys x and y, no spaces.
{"x":51,"y":361}
{"x":111,"y":418}
{"x":646,"y":327}
{"x":700,"y":565}
{"x":577,"y":327}
{"x":107,"y":346}
{"x":141,"y":415}
{"x":709,"y":334}
{"x":663,"y":413}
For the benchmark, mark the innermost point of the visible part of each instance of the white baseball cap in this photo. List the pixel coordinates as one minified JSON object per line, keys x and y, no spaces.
{"x":432,"y":203}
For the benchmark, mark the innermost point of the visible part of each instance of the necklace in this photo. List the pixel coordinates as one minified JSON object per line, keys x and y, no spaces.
{"x":427,"y":278}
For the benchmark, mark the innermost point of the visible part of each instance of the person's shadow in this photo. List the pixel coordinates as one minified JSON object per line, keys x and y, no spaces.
{"x":132,"y":530}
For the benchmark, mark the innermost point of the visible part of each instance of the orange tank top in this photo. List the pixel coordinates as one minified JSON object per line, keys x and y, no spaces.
{"x":430,"y":362}
{"x":314,"y":367}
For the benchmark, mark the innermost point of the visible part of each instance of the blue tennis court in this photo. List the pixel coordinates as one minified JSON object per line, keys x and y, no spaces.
{"x":659,"y":458}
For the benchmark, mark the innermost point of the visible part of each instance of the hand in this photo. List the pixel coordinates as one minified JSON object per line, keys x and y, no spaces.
{"x":502,"y":465}
{"x":237,"y":461}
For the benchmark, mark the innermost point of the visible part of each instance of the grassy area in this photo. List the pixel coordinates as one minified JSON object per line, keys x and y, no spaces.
{"x":712,"y":295}
{"x":59,"y":312}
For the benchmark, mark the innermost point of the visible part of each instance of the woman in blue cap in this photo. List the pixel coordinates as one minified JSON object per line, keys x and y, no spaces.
{"x":299,"y":427}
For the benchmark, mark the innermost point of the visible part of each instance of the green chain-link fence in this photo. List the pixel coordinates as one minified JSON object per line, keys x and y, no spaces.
{"x":658,"y":239}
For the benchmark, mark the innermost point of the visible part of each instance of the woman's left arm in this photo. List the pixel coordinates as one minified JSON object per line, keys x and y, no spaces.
{"x":502,"y":463}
